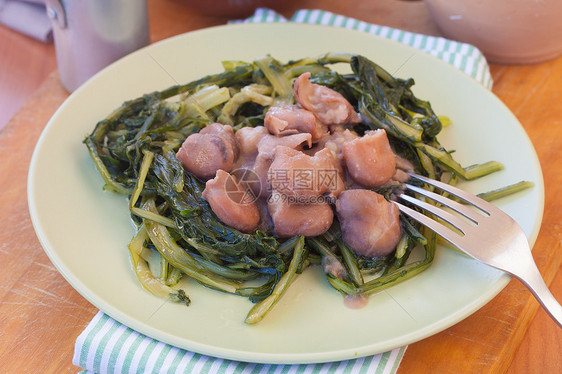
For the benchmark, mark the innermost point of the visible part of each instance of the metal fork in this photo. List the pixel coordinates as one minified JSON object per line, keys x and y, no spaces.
{"x":485,"y":233}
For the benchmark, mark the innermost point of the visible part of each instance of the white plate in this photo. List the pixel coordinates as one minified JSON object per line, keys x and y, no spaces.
{"x":85,"y":230}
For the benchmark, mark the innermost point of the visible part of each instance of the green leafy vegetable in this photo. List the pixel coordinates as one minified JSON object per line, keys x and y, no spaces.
{"x":179,"y":235}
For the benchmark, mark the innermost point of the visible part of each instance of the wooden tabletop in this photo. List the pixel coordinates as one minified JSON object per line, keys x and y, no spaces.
{"x":41,"y":314}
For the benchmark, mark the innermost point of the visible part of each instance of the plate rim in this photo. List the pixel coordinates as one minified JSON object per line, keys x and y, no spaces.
{"x":148,"y":330}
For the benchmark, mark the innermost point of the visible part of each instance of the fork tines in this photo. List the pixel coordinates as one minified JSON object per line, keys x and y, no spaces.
{"x":472,"y":216}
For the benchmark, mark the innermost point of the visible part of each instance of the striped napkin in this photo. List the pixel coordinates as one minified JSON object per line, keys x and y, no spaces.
{"x":107,"y":346}
{"x":463,"y":56}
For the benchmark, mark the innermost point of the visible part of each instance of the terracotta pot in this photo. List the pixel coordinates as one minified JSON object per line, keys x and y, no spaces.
{"x":506,"y":31}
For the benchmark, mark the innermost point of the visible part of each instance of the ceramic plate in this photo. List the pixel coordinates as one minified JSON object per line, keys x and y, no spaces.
{"x":85,"y":230}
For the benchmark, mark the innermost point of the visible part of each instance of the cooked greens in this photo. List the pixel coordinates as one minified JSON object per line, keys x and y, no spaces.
{"x":134,"y":152}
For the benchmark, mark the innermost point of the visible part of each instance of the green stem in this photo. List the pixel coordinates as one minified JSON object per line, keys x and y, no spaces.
{"x":259,"y":310}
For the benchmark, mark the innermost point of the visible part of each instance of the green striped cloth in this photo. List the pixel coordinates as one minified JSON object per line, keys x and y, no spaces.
{"x":463,"y":56}
{"x":107,"y":346}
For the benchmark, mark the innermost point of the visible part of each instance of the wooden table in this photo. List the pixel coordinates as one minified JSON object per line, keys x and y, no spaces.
{"x":41,"y":315}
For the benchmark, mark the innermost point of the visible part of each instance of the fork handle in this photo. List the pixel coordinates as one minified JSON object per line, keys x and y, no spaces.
{"x":532,"y":279}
